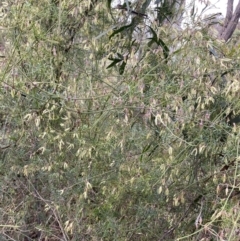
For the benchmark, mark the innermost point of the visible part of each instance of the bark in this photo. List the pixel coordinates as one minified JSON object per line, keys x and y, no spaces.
{"x":229,"y":13}
{"x":231,"y":21}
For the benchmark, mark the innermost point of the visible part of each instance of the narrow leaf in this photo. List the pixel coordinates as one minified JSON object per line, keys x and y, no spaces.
{"x":109,"y":4}
{"x":120,"y":30}
{"x":122,"y":67}
{"x":115,"y":61}
{"x":154,"y":37}
{"x":165,"y":48}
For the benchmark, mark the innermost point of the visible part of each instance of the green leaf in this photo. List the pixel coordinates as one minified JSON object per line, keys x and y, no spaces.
{"x":120,"y":56}
{"x":120,"y":30}
{"x":109,"y":4}
{"x":165,"y":48}
{"x":160,"y":42}
{"x":115,"y":61}
{"x":154,"y":38}
{"x":122,"y":67}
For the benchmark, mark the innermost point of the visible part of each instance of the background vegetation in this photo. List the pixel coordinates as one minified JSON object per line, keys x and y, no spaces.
{"x":116,"y":127}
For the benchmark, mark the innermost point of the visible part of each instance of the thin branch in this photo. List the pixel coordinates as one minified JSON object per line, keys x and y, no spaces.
{"x":122,"y":7}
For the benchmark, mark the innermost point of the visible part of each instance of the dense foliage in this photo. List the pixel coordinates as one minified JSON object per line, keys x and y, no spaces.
{"x":115,"y":128}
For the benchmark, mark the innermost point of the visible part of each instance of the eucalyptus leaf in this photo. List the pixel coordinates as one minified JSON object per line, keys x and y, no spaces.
{"x":120,"y":30}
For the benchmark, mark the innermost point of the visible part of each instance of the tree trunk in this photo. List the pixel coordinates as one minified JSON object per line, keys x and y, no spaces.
{"x":231,"y":21}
